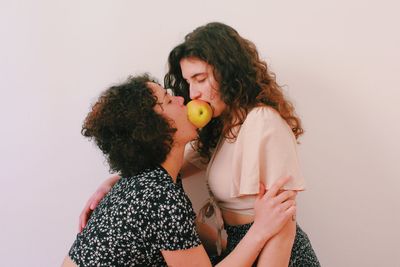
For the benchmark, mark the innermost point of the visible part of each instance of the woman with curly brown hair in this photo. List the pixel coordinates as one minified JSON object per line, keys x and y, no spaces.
{"x":251,"y":138}
{"x":147,"y":219}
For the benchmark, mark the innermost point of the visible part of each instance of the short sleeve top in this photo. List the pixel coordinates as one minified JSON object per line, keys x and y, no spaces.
{"x":138,"y":218}
{"x":265,"y":150}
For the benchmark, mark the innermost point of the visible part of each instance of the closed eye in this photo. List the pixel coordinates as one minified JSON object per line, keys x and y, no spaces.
{"x":201,"y":78}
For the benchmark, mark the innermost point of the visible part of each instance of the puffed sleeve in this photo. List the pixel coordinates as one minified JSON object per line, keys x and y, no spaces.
{"x":266,"y":150}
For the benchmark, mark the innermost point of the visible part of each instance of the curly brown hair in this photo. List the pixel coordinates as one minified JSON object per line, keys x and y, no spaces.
{"x":245,"y":81}
{"x":127,"y":129}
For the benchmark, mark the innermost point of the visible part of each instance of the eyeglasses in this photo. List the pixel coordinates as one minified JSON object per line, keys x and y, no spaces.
{"x":170,"y":92}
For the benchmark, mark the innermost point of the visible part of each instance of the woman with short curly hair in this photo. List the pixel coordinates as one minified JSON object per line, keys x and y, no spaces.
{"x":147,"y":219}
{"x":125,"y":127}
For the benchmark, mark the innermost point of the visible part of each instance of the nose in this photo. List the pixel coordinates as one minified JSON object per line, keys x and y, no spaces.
{"x":194,"y":93}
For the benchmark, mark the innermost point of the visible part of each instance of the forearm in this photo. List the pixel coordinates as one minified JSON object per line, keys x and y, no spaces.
{"x":247,"y":251}
{"x":276,"y":252}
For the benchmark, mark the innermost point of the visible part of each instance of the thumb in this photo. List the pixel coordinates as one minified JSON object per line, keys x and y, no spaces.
{"x":261,"y":190}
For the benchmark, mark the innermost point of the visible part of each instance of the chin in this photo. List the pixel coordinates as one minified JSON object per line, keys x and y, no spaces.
{"x":216,"y":112}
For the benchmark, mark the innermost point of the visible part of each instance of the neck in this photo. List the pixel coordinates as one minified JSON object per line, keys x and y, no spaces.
{"x":174,"y":161}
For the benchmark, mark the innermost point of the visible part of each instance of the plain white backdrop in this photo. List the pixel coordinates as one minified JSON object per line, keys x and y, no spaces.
{"x":338,"y":62}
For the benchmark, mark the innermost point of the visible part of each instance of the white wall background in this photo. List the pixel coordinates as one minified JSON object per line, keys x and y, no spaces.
{"x":338,"y":59}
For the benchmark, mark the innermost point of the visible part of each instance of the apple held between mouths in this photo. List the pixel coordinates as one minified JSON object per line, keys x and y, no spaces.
{"x":199,"y":113}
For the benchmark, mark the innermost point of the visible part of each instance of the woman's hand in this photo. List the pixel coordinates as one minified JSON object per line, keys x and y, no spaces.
{"x":94,"y":200}
{"x":274,"y":208}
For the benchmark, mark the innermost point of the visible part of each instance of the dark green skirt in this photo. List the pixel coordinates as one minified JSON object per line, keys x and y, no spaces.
{"x":303,"y":254}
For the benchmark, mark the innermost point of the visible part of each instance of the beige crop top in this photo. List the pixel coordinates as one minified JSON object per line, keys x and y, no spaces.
{"x":265,"y":150}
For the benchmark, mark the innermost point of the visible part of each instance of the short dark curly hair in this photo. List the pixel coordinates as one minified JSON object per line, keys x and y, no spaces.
{"x":127,"y":129}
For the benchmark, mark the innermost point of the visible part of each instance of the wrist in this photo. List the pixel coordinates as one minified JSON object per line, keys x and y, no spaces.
{"x":261,"y":233}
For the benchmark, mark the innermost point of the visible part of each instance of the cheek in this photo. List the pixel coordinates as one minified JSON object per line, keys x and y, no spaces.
{"x":213,"y":89}
{"x":209,"y":92}
{"x":215,"y":95}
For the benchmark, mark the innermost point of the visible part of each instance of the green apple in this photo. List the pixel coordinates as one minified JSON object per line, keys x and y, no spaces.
{"x":199,"y":113}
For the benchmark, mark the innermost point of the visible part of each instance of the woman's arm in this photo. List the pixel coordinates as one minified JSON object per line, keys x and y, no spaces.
{"x":277,"y":250}
{"x":244,"y":254}
{"x":270,"y":142}
{"x":273,"y":210}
